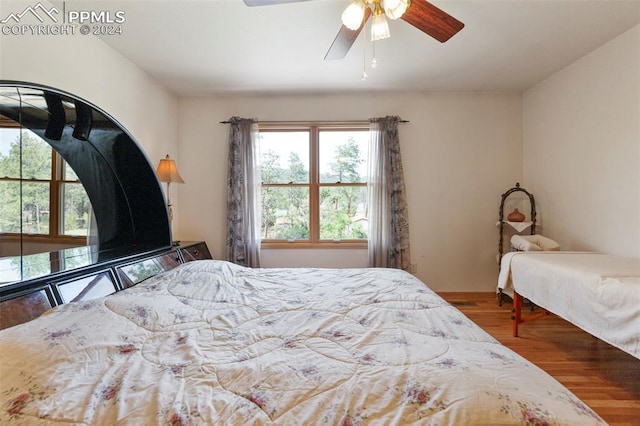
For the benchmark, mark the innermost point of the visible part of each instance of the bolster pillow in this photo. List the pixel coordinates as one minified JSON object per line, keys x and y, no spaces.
{"x":533,"y":243}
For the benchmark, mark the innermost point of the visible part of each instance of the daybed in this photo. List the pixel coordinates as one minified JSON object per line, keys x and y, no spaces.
{"x":597,"y":292}
{"x":215,"y":343}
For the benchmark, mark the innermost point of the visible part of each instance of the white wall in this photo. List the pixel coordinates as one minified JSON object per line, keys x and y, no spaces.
{"x":87,"y":67}
{"x":581,"y":145}
{"x":460,"y":152}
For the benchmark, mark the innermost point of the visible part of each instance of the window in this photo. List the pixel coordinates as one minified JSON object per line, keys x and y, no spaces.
{"x":40,"y":195}
{"x":314,"y":185}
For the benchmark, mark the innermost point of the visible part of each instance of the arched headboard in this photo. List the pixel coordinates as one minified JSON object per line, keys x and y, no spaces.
{"x":127,"y":199}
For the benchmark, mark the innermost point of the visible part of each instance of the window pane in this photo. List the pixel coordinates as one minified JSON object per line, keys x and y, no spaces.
{"x":343,"y":212}
{"x":69,"y":174}
{"x":35,"y":207}
{"x":75,"y":216}
{"x":10,"y":153}
{"x":284,"y":157}
{"x":9,"y":207}
{"x":36,"y":155}
{"x":343,"y":156}
{"x":285,"y":213}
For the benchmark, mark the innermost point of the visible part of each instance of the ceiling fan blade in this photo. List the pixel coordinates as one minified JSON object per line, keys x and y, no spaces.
{"x":252,"y":3}
{"x":345,"y":39}
{"x":432,"y":20}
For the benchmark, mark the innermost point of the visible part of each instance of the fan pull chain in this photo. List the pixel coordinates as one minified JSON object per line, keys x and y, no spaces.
{"x":364,"y":58}
{"x":374,"y":62}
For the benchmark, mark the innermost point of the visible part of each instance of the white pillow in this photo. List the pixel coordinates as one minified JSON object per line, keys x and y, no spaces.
{"x":534,"y":243}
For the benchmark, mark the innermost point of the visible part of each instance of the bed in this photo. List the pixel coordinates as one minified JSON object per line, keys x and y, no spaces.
{"x":210,"y":342}
{"x":597,"y":292}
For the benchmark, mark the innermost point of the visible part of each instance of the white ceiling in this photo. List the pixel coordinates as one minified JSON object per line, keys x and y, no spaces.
{"x":222,"y":46}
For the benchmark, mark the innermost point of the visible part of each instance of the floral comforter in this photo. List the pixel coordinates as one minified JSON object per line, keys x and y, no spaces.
{"x":214,"y":343}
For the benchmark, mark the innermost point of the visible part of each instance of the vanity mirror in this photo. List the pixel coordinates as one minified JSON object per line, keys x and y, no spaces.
{"x":75,"y":188}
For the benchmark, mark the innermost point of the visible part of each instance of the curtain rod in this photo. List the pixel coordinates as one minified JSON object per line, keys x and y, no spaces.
{"x":325,"y":123}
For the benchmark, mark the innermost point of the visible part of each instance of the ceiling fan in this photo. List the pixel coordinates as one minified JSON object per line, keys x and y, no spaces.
{"x":419,"y":13}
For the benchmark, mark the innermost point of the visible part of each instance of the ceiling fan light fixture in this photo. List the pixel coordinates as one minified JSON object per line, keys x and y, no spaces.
{"x":353,"y":15}
{"x":379,"y":25}
{"x":394,"y":9}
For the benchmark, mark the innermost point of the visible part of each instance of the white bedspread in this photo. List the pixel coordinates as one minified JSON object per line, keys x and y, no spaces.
{"x":597,"y":292}
{"x":214,"y":343}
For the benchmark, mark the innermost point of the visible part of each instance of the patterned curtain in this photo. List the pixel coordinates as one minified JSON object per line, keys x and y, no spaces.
{"x":388,"y":212}
{"x":243,"y":194}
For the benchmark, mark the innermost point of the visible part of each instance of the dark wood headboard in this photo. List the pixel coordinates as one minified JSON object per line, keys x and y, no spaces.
{"x":25,"y":301}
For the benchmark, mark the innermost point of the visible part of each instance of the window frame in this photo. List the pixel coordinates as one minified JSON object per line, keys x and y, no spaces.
{"x":314,"y":129}
{"x":56,"y":205}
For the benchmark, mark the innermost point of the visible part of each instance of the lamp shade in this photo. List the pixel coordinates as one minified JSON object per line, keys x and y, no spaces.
{"x":353,"y":15}
{"x":379,"y":26}
{"x":394,"y":9}
{"x":167,"y":171}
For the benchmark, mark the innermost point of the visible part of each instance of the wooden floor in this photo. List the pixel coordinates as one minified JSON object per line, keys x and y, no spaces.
{"x":605,"y":378}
